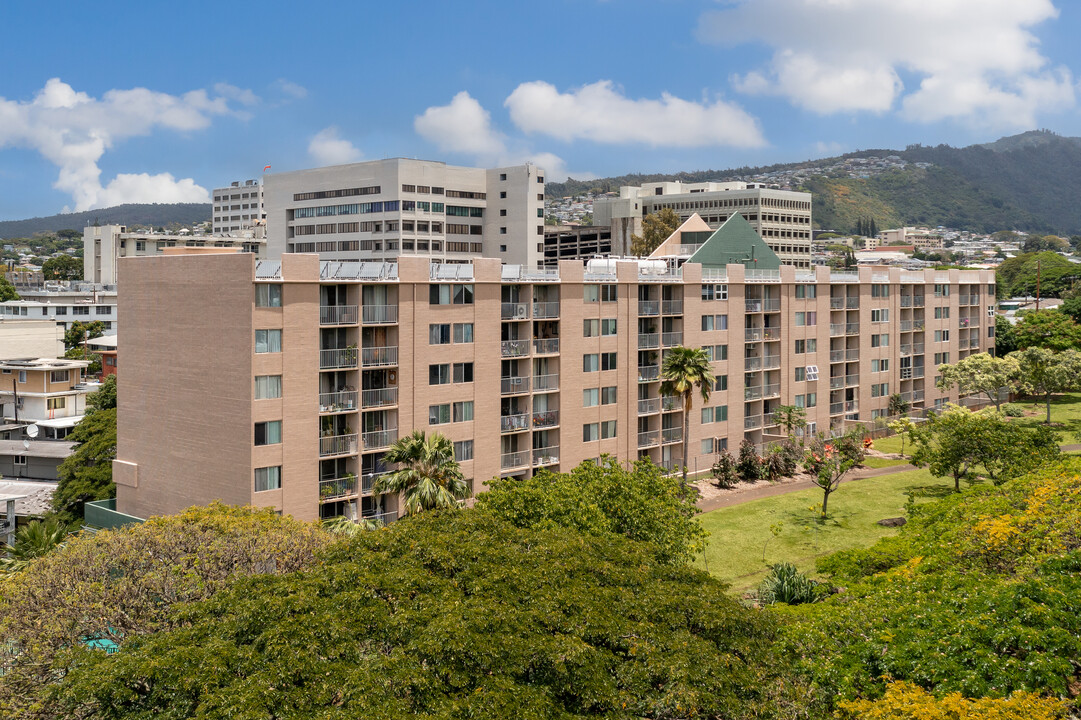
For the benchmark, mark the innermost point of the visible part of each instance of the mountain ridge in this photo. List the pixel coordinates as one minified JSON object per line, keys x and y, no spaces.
{"x":156,"y":214}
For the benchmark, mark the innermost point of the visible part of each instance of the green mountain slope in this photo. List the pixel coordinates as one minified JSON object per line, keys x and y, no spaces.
{"x":157,"y":214}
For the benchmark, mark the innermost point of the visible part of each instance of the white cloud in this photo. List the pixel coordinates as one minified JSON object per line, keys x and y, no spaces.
{"x":292,"y":89}
{"x":976,"y":60}
{"x":828,"y":149}
{"x":465,"y":127}
{"x":600,"y":113}
{"x":327,"y":148}
{"x":241,"y":95}
{"x":73,"y":131}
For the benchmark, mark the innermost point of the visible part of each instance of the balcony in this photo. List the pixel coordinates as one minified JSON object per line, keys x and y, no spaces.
{"x":853,"y":354}
{"x":911,"y":325}
{"x":514,"y":348}
{"x":338,"y":315}
{"x":752,"y":363}
{"x":379,"y":356}
{"x":337,"y":358}
{"x":338,"y":445}
{"x":649,"y":308}
{"x":852,"y":329}
{"x":852,"y":303}
{"x":753,"y":334}
{"x":649,"y":406}
{"x":545,"y":419}
{"x":514,"y":423}
{"x":513,"y":385}
{"x":671,"y":435}
{"x":753,"y":392}
{"x":379,"y":314}
{"x":546,"y":346}
{"x":771,"y":305}
{"x":917,"y":301}
{"x":671,"y":339}
{"x":649,"y":438}
{"x":906,"y":301}
{"x":912,"y":349}
{"x":545,"y":310}
{"x":337,"y":488}
{"x":837,"y":303}
{"x":379,"y":439}
{"x":837,"y":329}
{"x":837,"y":408}
{"x":911,"y":373}
{"x":648,"y":373}
{"x":384,"y":518}
{"x":647,"y":341}
{"x":546,"y":456}
{"x":511,"y":460}
{"x":771,"y":390}
{"x":670,"y":403}
{"x":973,"y":342}
{"x":545,"y":383}
{"x":753,"y":306}
{"x":852,"y":380}
{"x":752,"y":422}
{"x":514,"y":311}
{"x":837,"y":383}
{"x":837,"y":356}
{"x":851,"y":406}
{"x":381,"y":397}
{"x":771,"y":333}
{"x":671,"y":307}
{"x":337,"y":401}
{"x":771,"y":362}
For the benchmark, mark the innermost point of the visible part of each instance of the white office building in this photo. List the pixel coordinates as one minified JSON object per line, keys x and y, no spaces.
{"x":238,"y":207}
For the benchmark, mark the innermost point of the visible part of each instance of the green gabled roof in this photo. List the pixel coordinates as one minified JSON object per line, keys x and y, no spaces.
{"x":736,"y":242}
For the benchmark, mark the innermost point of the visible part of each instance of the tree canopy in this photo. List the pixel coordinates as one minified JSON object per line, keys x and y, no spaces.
{"x":1017,"y":276}
{"x":87,"y":474}
{"x":62,"y":267}
{"x":979,"y":373}
{"x":656,"y":227}
{"x":1049,"y":329}
{"x":7,"y":290}
{"x":428,"y":476}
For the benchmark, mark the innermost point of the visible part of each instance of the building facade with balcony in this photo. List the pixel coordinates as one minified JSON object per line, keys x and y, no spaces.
{"x":284,"y":384}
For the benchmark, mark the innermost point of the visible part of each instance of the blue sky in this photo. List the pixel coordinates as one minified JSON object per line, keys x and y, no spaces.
{"x":109,"y":102}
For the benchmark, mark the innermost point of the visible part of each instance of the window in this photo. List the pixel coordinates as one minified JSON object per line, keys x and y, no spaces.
{"x":590,"y":362}
{"x":806,"y":346}
{"x":463,"y":450}
{"x":880,"y":341}
{"x":806,"y":292}
{"x":450,"y":294}
{"x":59,"y":376}
{"x":721,"y":413}
{"x":809,"y":400}
{"x":439,"y":374}
{"x":594,"y":328}
{"x":463,"y":372}
{"x":707,"y":446}
{"x":942,"y":313}
{"x":801,"y":374}
{"x":268,"y":478}
{"x":20,"y":460}
{"x":608,"y":395}
{"x":600,"y":293}
{"x":103,"y":309}
{"x":880,"y":390}
{"x":55,"y":403}
{"x":590,"y":432}
{"x":22,"y":376}
{"x":942,"y":358}
{"x":591,"y":397}
{"x":880,"y":315}
{"x":880,"y":291}
{"x":438,"y":414}
{"x":720,"y":383}
{"x":439,"y":334}
{"x":714,"y":292}
{"x":463,"y":411}
{"x":463,"y":332}
{"x":608,"y":429}
{"x":942,"y":290}
{"x":714,"y":322}
{"x":942,"y":335}
{"x":268,"y":387}
{"x":608,"y":361}
{"x":880,"y":365}
{"x":268,"y":295}
{"x":268,"y":433}
{"x":268,"y":341}
{"x":804,"y":319}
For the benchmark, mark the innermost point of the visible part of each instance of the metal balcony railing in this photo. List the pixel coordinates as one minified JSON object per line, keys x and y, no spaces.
{"x":648,"y":341}
{"x":338,"y":445}
{"x":514,"y":348}
{"x":514,"y":423}
{"x":546,"y":346}
{"x":852,"y":354}
{"x":671,"y":435}
{"x":511,"y":460}
{"x":906,"y":301}
{"x":649,"y":438}
{"x":671,"y":307}
{"x":753,"y":392}
{"x":513,"y":385}
{"x":837,"y":408}
{"x":338,"y":401}
{"x":337,"y":358}
{"x":852,"y":303}
{"x":771,"y":305}
{"x":544,"y":383}
{"x":771,"y":390}
{"x":837,"y":356}
{"x":379,"y":314}
{"x":753,"y":305}
{"x":649,"y":405}
{"x":837,"y":382}
{"x":338,"y":315}
{"x":668,"y":404}
{"x":837,"y":329}
{"x":852,"y":328}
{"x":546,"y":456}
{"x":771,"y":333}
{"x":671,"y":339}
{"x":649,"y":308}
{"x":379,"y":398}
{"x":752,"y":334}
{"x":648,"y":373}
{"x":771,"y":362}
{"x":752,"y":363}
{"x":837,"y":303}
{"x":545,"y":310}
{"x":852,"y":380}
{"x":514,"y":311}
{"x":379,"y":356}
{"x":338,"y":488}
{"x":752,"y":421}
{"x":385,"y":518}
{"x":545,"y":419}
{"x":377,"y":439}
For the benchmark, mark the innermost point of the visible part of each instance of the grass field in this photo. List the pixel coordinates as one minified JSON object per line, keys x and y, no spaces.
{"x":739,"y":534}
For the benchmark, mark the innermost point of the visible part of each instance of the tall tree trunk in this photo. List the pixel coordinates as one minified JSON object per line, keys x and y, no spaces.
{"x":825,"y":498}
{"x":1048,"y":399}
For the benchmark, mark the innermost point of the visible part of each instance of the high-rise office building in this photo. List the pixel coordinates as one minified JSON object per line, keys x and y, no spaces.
{"x":238,"y":207}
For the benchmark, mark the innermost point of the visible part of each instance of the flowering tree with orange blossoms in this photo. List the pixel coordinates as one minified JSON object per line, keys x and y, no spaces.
{"x":830,"y":459}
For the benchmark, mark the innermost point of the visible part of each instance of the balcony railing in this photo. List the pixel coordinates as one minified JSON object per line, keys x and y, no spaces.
{"x":379,"y":314}
{"x":546,"y":346}
{"x":379,"y":398}
{"x":671,"y":307}
{"x":544,"y":383}
{"x":906,"y":301}
{"x":837,"y":303}
{"x":771,"y":333}
{"x":911,"y":325}
{"x":648,"y":308}
{"x":648,"y":373}
{"x":513,"y":385}
{"x":671,"y":339}
{"x":649,"y":405}
{"x":837,"y":329}
{"x":837,"y":408}
{"x":837,"y":356}
{"x":752,"y":421}
{"x":647,"y":341}
{"x":911,"y":373}
{"x":852,"y":380}
{"x":511,"y":460}
{"x":514,"y":348}
{"x":851,"y":406}
{"x":338,"y":445}
{"x":838,"y":382}
{"x":337,"y":401}
{"x":852,"y":303}
{"x":752,"y":363}
{"x":852,"y":329}
{"x":337,"y":488}
{"x":912,"y":349}
{"x":670,"y":403}
{"x":753,"y":305}
{"x":338,"y":315}
{"x":853,"y":354}
{"x":771,"y":362}
{"x":771,"y":390}
{"x":379,"y":356}
{"x":384,"y":518}
{"x":545,"y":419}
{"x":514,"y":423}
{"x":546,"y":456}
{"x":379,"y":438}
{"x":649,"y":438}
{"x":337,"y":358}
{"x":671,"y":435}
{"x":752,"y":334}
{"x":545,"y":310}
{"x":753,"y":392}
{"x":514,"y":311}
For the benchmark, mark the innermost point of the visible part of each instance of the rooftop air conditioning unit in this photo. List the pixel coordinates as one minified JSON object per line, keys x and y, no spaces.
{"x":520,"y":312}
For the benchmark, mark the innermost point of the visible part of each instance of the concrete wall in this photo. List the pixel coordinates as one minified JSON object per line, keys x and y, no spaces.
{"x":30,"y":339}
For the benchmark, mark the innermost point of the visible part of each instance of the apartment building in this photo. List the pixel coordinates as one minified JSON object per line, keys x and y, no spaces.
{"x":385,"y":209}
{"x":284,"y":384}
{"x":922,"y":238}
{"x":46,"y":391}
{"x":781,"y":217}
{"x":238,"y":207}
{"x":104,"y":245}
{"x":63,"y":311}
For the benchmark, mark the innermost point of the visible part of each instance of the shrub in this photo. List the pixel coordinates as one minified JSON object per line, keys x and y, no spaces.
{"x":749,"y":468}
{"x":907,"y":701}
{"x":1013,"y":410}
{"x":724,"y":470}
{"x":786,"y":584}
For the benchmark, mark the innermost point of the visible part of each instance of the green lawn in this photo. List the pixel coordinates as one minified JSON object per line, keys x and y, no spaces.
{"x":877,"y":462}
{"x":738,"y":534}
{"x":1065,"y":414}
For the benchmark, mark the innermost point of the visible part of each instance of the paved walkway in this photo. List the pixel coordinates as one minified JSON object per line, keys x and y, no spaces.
{"x":765,"y":490}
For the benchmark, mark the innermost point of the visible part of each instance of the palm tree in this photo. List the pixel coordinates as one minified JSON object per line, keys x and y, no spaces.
{"x":33,"y":541}
{"x":428,"y":476}
{"x":683,"y":369}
